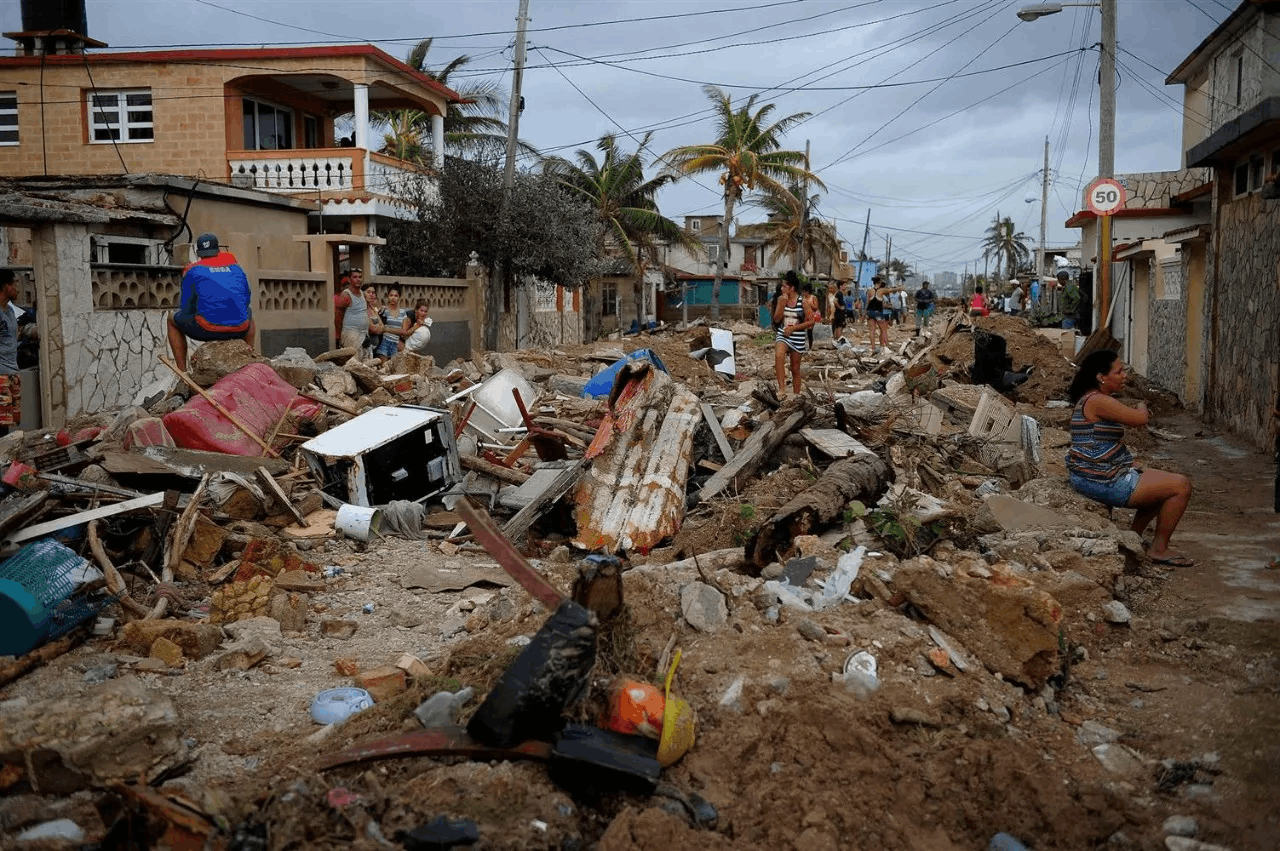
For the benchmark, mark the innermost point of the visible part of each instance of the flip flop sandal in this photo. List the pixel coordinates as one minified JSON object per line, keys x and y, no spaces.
{"x":1174,"y":561}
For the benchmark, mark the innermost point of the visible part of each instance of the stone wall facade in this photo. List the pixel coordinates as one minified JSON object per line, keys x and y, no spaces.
{"x":1166,"y":337}
{"x":1252,"y":53}
{"x":1154,"y":189}
{"x":1243,"y":350}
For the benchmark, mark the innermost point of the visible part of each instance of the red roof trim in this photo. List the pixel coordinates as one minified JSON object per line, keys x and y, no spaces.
{"x":1079,"y":219}
{"x":213,"y":56}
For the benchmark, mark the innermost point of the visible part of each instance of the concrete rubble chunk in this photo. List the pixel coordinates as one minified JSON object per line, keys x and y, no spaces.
{"x":1115,"y":612}
{"x":1016,"y":515}
{"x":117,"y":731}
{"x":211,"y":362}
{"x":1118,"y":760}
{"x":336,"y":382}
{"x":196,"y":640}
{"x":703,"y":607}
{"x":295,"y":366}
{"x":367,"y":378}
{"x":1181,"y":826}
{"x":1006,"y":622}
{"x":732,"y":697}
{"x":1091,"y":733}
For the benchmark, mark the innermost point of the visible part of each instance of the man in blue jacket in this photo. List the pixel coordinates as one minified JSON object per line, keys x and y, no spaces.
{"x":215,"y":301}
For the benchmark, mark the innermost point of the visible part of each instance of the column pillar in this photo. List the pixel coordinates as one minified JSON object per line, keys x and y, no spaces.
{"x":437,"y":139}
{"x":362,"y":126}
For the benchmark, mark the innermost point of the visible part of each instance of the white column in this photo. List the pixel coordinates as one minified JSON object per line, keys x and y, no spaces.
{"x":437,"y":138}
{"x":362,"y":126}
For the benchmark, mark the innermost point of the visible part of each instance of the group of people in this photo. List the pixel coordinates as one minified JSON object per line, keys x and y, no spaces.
{"x":1023,"y":297}
{"x":215,"y":303}
{"x":378,"y":331}
{"x":795,"y":311}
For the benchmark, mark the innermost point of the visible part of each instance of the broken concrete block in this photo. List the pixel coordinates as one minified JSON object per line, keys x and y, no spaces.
{"x":703,"y":607}
{"x":242,"y":655}
{"x":265,"y":628}
{"x":271,"y":557}
{"x":299,"y":580}
{"x":567,"y":385}
{"x":412,"y":364}
{"x":166,"y":651}
{"x":206,"y":542}
{"x":117,"y":731}
{"x":337,"y":382}
{"x":1008,"y":623}
{"x":367,"y":378}
{"x":383,"y":682}
{"x":338,"y":629}
{"x":295,"y":367}
{"x":1015,"y":515}
{"x":290,"y":610}
{"x":195,"y":640}
{"x":211,"y":362}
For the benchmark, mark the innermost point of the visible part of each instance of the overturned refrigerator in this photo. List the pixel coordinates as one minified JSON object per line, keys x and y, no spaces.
{"x":388,"y":453}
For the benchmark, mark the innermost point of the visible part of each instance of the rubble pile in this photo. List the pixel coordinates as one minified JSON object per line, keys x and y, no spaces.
{"x":646,"y":599}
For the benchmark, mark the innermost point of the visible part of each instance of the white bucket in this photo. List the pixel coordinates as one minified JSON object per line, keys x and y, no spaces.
{"x":356,"y":521}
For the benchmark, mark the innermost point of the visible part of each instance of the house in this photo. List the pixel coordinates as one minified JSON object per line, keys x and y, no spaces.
{"x":112,"y":163}
{"x":1231,"y":127}
{"x":1151,"y":237}
{"x":265,"y":118}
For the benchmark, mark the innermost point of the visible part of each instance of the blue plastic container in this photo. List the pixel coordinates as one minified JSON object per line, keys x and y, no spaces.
{"x":35,"y":587}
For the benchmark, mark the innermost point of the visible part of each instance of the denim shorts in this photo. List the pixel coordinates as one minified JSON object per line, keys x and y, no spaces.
{"x":1116,"y":494}
{"x":883,"y":315}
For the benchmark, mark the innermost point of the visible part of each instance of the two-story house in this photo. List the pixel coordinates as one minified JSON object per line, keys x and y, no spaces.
{"x":1231,"y":126}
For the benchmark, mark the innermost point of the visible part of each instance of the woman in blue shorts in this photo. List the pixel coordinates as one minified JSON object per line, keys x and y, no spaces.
{"x":1101,"y":467}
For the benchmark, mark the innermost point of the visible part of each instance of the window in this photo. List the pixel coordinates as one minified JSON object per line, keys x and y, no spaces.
{"x":1256,"y":172}
{"x":109,"y":248}
{"x":713,"y":253}
{"x":1242,"y":179}
{"x":695,"y":225}
{"x":310,"y":131}
{"x":1239,"y":77}
{"x":609,"y":298}
{"x":120,"y":116}
{"x":8,"y":118}
{"x":267,"y":127}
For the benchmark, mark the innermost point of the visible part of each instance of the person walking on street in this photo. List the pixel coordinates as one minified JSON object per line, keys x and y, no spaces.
{"x":924,"y":306}
{"x":351,"y":312}
{"x":1071,"y":297}
{"x":793,"y":317}
{"x":1100,"y":466}
{"x":214,"y":303}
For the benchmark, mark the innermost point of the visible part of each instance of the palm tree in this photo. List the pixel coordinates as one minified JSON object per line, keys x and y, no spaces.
{"x":626,"y":203}
{"x":1005,"y":246}
{"x":794,"y":230}
{"x":899,"y":268}
{"x":747,"y":152}
{"x":474,"y":128}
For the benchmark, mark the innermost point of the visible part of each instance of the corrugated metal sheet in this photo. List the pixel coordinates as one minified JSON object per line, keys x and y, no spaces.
{"x":633,"y":496}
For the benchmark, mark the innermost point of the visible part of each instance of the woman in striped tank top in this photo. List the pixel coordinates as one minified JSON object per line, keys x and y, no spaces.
{"x":1100,"y":466}
{"x":792,"y":319}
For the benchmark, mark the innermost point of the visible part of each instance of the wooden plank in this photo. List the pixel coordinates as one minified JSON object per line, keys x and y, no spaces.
{"x":832,"y":442}
{"x":718,"y":433}
{"x":81,"y":485}
{"x":516,"y":527}
{"x":760,"y":445}
{"x":40,"y":529}
{"x":497,"y":471}
{"x":273,"y":487}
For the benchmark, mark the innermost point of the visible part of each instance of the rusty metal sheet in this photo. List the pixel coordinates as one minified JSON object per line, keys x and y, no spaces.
{"x":633,"y":496}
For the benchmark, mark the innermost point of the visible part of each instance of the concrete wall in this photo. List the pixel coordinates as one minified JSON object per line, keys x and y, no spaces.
{"x":1255,"y":48}
{"x":1244,"y":316}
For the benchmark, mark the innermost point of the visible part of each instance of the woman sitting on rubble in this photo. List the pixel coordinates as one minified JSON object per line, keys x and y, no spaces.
{"x":1101,"y":467}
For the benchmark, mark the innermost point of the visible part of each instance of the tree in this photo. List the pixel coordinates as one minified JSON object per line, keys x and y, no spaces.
{"x":549,"y":233}
{"x":794,"y":230}
{"x":747,"y":152}
{"x":472,"y":129}
{"x":624,"y":201}
{"x":899,"y":268}
{"x":1006,"y":247}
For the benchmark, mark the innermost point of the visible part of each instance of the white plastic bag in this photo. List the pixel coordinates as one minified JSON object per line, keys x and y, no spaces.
{"x":836,"y":586}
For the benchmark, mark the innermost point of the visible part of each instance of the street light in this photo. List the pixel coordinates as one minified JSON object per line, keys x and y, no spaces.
{"x":1106,"y":122}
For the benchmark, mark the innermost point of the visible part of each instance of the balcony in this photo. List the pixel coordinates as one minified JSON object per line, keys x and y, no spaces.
{"x":325,"y":172}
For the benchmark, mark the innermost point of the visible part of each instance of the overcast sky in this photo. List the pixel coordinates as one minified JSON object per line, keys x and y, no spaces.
{"x":936,"y":155}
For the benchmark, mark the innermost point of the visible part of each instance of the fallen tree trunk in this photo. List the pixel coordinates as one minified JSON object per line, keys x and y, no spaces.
{"x":862,"y":476}
{"x":762,"y":443}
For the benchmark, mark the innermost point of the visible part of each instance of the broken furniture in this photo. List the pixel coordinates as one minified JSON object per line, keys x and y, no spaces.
{"x":385,"y":454}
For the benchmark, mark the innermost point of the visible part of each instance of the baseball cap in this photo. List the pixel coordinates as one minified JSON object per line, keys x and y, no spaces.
{"x":207,"y":245}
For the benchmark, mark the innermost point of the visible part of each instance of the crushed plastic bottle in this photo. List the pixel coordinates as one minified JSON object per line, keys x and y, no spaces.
{"x":442,"y":708}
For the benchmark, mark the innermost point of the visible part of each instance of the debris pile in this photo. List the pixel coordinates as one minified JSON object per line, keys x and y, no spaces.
{"x":887,"y":566}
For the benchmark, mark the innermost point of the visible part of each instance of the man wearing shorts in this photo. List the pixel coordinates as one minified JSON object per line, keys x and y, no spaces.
{"x":215,"y":301}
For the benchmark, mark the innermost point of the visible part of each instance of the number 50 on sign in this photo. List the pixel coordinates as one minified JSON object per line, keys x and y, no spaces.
{"x":1105,"y":196}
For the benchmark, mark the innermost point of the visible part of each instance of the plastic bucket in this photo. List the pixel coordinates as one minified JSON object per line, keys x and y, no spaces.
{"x":358,"y":522}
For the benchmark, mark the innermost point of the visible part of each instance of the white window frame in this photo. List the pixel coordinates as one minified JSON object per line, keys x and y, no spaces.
{"x":695,"y":225}
{"x":125,"y":125}
{"x":293,"y":118}
{"x":10,"y":110}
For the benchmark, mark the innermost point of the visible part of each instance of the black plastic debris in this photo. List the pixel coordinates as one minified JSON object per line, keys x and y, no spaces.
{"x":439,"y":834}
{"x":589,"y":760}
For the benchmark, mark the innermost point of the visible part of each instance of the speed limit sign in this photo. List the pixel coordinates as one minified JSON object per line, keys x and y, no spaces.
{"x":1105,"y":196}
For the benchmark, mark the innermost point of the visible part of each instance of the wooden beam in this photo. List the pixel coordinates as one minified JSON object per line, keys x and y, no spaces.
{"x":497,"y":471}
{"x":273,"y":487}
{"x":517,"y":526}
{"x":41,"y":529}
{"x":726,"y":451}
{"x":760,"y":445}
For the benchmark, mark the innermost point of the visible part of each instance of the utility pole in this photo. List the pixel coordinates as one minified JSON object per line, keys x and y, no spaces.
{"x":1044,"y":209}
{"x":804,"y":216}
{"x":508,"y":181}
{"x":1106,"y":147}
